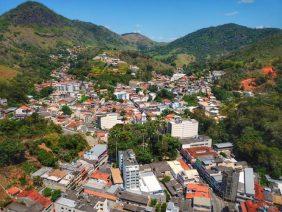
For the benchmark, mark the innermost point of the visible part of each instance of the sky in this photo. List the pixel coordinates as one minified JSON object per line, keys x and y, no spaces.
{"x":165,"y":20}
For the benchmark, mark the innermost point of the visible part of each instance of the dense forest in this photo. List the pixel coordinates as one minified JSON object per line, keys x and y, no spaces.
{"x":37,"y":137}
{"x":149,"y":141}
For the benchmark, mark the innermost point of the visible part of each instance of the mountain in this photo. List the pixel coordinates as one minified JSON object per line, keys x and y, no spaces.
{"x":31,"y":27}
{"x":263,"y":52}
{"x":141,"y":41}
{"x":213,"y":42}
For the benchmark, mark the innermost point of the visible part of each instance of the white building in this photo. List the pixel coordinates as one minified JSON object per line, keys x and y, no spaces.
{"x":149,"y":184}
{"x":108,"y":121}
{"x":23,"y":111}
{"x":198,"y":141}
{"x":129,"y":168}
{"x":122,"y":95}
{"x":183,"y":128}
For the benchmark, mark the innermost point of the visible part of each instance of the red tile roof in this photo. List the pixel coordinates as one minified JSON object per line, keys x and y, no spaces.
{"x":100,"y":176}
{"x":200,"y":151}
{"x":13,"y":190}
{"x":100,"y":194}
{"x":197,"y":190}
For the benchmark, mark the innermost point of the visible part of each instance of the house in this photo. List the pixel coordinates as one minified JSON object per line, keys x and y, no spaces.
{"x":29,"y":200}
{"x":108,"y":120}
{"x":23,"y":111}
{"x":101,"y":177}
{"x":149,"y":185}
{"x":81,"y":202}
{"x":97,"y":154}
{"x":116,"y":176}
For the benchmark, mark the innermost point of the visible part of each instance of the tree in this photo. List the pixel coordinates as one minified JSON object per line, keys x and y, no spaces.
{"x":47,"y":192}
{"x":55,"y":195}
{"x":11,"y":152}
{"x":66,"y":110}
{"x":46,"y":158}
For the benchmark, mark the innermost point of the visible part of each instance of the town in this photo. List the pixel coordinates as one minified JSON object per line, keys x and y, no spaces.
{"x":107,"y":176}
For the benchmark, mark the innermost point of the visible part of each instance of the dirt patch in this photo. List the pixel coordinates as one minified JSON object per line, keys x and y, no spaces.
{"x":7,"y":73}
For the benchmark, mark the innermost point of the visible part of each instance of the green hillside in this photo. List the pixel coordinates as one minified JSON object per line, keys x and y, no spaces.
{"x":31,"y":27}
{"x":212,"y":42}
{"x":141,"y":41}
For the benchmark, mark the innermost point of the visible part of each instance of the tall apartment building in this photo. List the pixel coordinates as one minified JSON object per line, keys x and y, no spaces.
{"x":129,"y":168}
{"x":183,"y":128}
{"x":230,"y":179}
{"x":107,"y":121}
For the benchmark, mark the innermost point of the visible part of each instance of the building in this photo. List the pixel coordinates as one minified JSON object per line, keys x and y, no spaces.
{"x":183,"y":128}
{"x":201,"y":204}
{"x":230,"y":179}
{"x":122,"y":95}
{"x":150,"y":185}
{"x":200,"y":153}
{"x":108,"y":121}
{"x":116,"y":176}
{"x":171,"y":207}
{"x":23,"y":112}
{"x":197,"y":141}
{"x":80,"y":202}
{"x":249,"y":181}
{"x":133,"y":198}
{"x":129,"y":168}
{"x":98,"y":154}
{"x":223,"y":146}
{"x":30,"y":200}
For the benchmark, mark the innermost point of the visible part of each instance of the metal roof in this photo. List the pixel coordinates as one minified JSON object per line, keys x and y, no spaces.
{"x":249,"y":181}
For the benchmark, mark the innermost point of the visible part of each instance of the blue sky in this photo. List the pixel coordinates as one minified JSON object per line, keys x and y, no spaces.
{"x":165,"y":20}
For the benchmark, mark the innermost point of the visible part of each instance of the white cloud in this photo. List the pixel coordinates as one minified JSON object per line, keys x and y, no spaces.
{"x":246,"y":1}
{"x":233,"y":13}
{"x":137,"y":28}
{"x":260,"y":27}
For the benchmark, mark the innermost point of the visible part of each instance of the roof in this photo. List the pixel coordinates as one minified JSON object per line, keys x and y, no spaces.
{"x":100,"y":194}
{"x":202,"y":201}
{"x":66,"y":202}
{"x":149,"y":183}
{"x":13,"y":190}
{"x":183,"y":164}
{"x":132,"y":197}
{"x":100,"y":175}
{"x":24,"y":107}
{"x":196,"y":152}
{"x":58,"y":173}
{"x":249,"y":181}
{"x":223,"y":145}
{"x":277,"y":199}
{"x":98,"y":149}
{"x":35,"y":196}
{"x":116,"y":175}
{"x":197,"y":190}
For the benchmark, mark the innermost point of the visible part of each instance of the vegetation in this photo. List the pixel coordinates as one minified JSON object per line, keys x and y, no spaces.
{"x":147,"y":141}
{"x":140,"y":41}
{"x":212,"y":42}
{"x":191,"y":100}
{"x":38,"y":137}
{"x":66,"y":110}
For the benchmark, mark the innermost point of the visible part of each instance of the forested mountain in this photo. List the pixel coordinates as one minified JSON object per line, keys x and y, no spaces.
{"x":141,"y":41}
{"x":32,"y":26}
{"x":213,"y":42}
{"x":264,"y":52}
